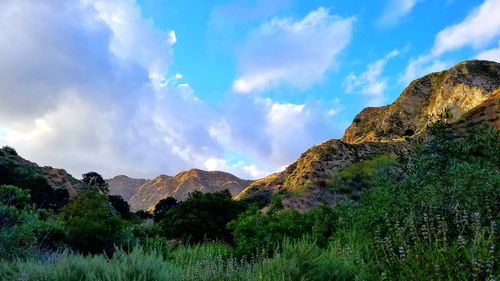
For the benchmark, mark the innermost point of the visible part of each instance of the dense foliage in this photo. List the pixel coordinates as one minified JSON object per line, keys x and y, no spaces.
{"x":91,"y":225}
{"x":24,"y":230}
{"x":433,"y":216}
{"x":254,"y":230}
{"x":201,"y":217}
{"x":30,"y":178}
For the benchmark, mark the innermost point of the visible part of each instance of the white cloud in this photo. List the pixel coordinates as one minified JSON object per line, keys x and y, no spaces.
{"x":479,"y":28}
{"x":134,"y":38}
{"x":395,"y":10}
{"x":421,"y":66}
{"x":78,"y":92}
{"x":275,"y":134}
{"x":371,"y":82}
{"x":252,"y":171}
{"x":288,"y":52}
{"x":491,"y":54}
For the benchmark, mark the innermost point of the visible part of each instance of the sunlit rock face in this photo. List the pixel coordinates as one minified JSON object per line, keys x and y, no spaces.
{"x":182,"y":184}
{"x":469,"y":92}
{"x":457,"y":90}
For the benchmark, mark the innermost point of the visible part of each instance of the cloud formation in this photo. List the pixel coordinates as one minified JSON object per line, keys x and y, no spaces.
{"x":370,"y":83}
{"x":395,"y":10}
{"x":491,"y":54}
{"x":287,"y":52}
{"x":85,"y":85}
{"x":479,"y":28}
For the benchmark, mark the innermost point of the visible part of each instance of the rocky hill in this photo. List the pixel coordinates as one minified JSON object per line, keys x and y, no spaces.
{"x":458,"y":90}
{"x":307,"y":178}
{"x":469,"y":92}
{"x":183,"y":183}
{"x":125,"y":186}
{"x":56,"y":178}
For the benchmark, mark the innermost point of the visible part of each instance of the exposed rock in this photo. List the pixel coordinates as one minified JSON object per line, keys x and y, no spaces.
{"x":124,"y":186}
{"x":182,"y":184}
{"x":469,"y":91}
{"x":458,"y":90}
{"x":308,"y":176}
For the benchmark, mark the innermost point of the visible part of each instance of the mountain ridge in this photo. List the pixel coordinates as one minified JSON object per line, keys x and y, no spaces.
{"x":468,"y":92}
{"x":180,"y":185}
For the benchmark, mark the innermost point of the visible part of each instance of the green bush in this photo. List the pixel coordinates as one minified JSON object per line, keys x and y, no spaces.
{"x":30,"y":178}
{"x":91,"y":225}
{"x":25,"y":231}
{"x":440,"y":222}
{"x":201,"y":217}
{"x":300,"y":260}
{"x":362,"y":176}
{"x":255,"y":231}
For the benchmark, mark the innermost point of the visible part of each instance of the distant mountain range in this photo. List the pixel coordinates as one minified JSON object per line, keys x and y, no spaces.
{"x":180,"y":185}
{"x":469,"y":93}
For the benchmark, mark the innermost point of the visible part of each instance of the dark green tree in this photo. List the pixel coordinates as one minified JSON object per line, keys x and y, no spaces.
{"x":91,"y":225}
{"x":163,"y":206}
{"x":120,"y":206}
{"x":201,"y":217}
{"x":95,"y":180}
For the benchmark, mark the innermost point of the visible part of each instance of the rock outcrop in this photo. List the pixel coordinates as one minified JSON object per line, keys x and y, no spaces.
{"x":469,"y":92}
{"x":125,"y":186}
{"x":457,"y":90}
{"x":308,"y":177}
{"x":182,"y":184}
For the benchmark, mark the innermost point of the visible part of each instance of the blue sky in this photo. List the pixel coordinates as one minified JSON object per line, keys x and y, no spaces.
{"x":148,"y":87}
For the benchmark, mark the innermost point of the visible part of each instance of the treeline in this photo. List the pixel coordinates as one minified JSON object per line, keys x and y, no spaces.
{"x":432,"y":216}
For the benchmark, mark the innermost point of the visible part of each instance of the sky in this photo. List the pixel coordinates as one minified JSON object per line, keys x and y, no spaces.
{"x":149,"y":87}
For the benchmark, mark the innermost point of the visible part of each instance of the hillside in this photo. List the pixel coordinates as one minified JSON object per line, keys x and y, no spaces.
{"x":183,"y":183}
{"x":56,"y":178}
{"x":459,"y":90}
{"x":469,"y":92}
{"x":124,"y":186}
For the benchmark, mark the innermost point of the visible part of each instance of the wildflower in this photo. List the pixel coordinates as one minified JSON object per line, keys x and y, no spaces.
{"x":401,"y":251}
{"x":461,"y":241}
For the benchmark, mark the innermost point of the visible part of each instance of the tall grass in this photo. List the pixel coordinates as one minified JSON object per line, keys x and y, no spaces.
{"x":297,"y":260}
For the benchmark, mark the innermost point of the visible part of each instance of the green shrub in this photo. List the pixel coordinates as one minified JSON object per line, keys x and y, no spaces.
{"x":25,"y":231}
{"x":201,"y":217}
{"x":90,"y":223}
{"x":30,"y":178}
{"x":440,"y":222}
{"x":361,"y":176}
{"x":255,"y":231}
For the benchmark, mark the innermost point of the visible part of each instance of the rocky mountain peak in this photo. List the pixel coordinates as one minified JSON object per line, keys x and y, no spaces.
{"x":456,"y":91}
{"x":469,"y":92}
{"x":180,"y":185}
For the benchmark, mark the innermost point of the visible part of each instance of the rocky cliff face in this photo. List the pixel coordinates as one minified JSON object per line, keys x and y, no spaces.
{"x":56,"y":178}
{"x":182,"y":184}
{"x":124,"y":186}
{"x":458,"y":90}
{"x":469,"y":91}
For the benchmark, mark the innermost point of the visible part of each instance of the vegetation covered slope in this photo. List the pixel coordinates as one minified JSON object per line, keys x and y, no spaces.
{"x":47,"y":186}
{"x":182,"y":184}
{"x":469,"y":94}
{"x":437,"y":220}
{"x":309,"y":176}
